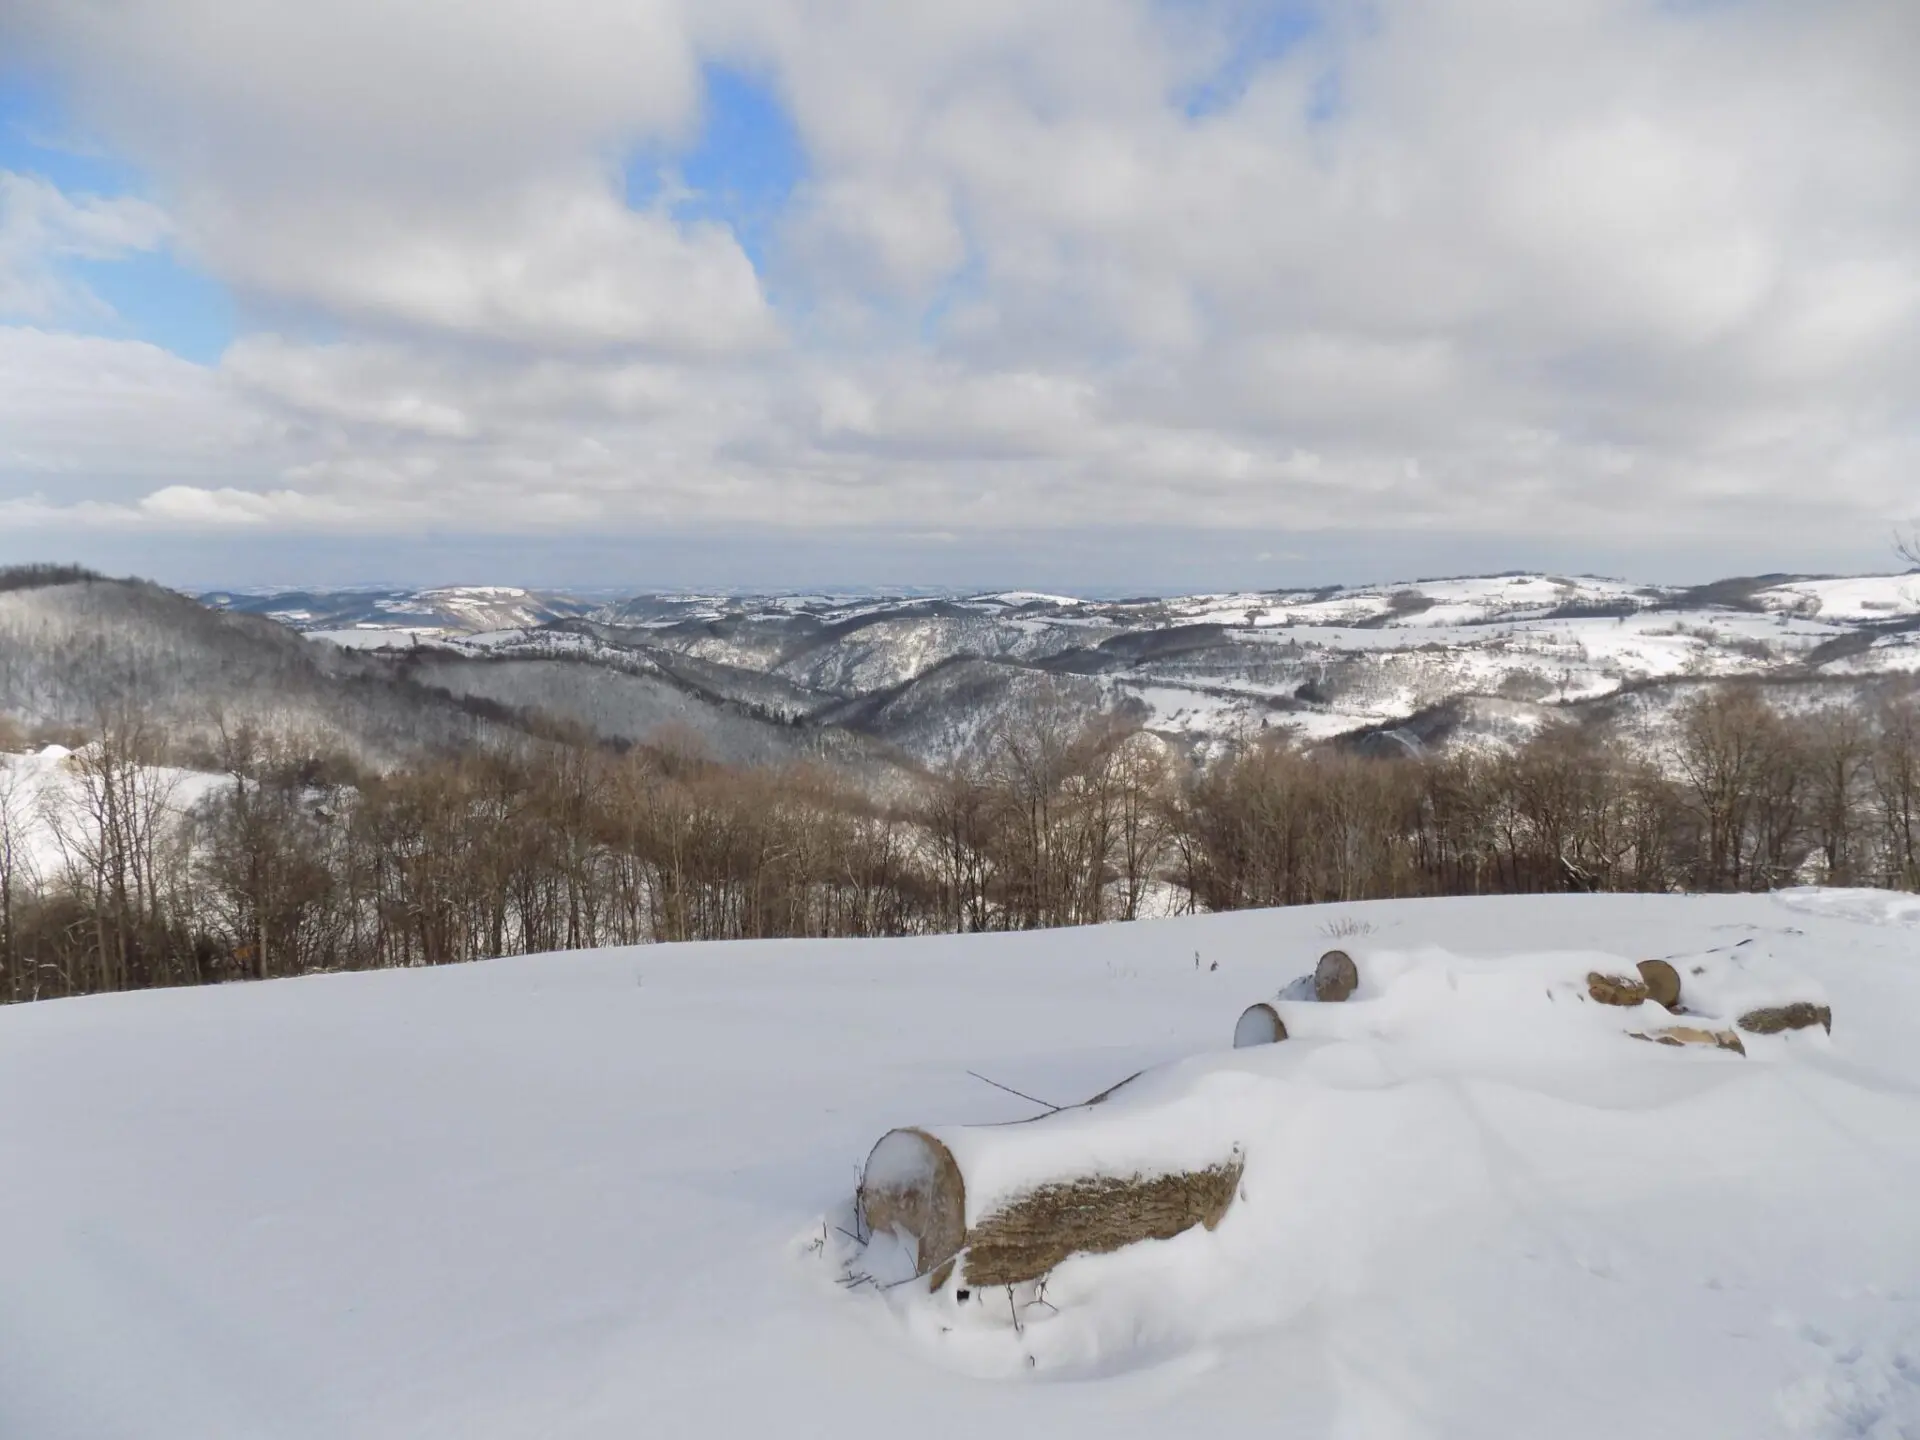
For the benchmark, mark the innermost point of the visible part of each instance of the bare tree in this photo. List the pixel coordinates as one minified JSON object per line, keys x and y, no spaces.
{"x":15,"y":872}
{"x":112,"y":827}
{"x":1839,"y":758}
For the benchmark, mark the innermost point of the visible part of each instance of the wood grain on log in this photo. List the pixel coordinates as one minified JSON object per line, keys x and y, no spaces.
{"x":1616,"y":989}
{"x":1335,"y":977}
{"x":1691,"y":1035}
{"x":1662,"y":982}
{"x":1094,"y":1215}
{"x":1800,"y":1015}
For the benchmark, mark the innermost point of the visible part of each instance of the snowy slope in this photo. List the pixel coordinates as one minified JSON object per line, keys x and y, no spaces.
{"x":588,"y":1194}
{"x":45,"y":807}
{"x":67,"y":649}
{"x":361,"y":614}
{"x":1858,"y":597}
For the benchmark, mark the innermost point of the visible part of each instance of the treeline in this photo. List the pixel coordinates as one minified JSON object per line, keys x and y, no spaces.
{"x":292,"y":861}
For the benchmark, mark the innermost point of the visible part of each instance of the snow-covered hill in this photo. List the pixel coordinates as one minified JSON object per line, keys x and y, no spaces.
{"x":46,"y":817}
{"x":366,"y":617}
{"x":926,"y":675}
{"x":72,"y":652}
{"x":592,"y":1194}
{"x":1861,"y":597}
{"x":889,"y":683}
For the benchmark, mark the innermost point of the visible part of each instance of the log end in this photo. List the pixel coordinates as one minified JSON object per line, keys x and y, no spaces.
{"x":1259,"y":1024}
{"x":1662,"y":982}
{"x":1335,"y":977}
{"x":913,"y":1187}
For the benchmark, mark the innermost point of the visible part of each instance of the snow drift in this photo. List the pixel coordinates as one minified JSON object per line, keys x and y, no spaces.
{"x":1275,"y":1171}
{"x":597,"y":1194}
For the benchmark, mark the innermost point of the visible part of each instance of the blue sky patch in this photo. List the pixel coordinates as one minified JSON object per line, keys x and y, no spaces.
{"x":154,"y":296}
{"x":157,"y":299}
{"x":740,"y":171}
{"x":1261,"y":35}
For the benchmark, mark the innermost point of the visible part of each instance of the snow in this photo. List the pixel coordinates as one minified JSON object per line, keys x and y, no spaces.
{"x":1377,"y":653}
{"x":1855,"y":597}
{"x":1888,"y":655}
{"x":1866,"y":907}
{"x":46,"y":807}
{"x":380,"y":637}
{"x":1467,"y":601}
{"x":1029,"y":597}
{"x":594,"y":1194}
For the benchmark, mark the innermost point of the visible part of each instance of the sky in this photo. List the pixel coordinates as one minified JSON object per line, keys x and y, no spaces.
{"x":1104,"y":294}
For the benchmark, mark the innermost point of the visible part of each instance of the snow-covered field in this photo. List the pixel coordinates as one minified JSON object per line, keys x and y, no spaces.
{"x":593,"y":1194}
{"x":1854,"y":597}
{"x":43,"y":803}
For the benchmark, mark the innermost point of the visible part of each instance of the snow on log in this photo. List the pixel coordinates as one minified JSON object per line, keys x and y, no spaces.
{"x":912,"y":1187}
{"x":1750,"y":988}
{"x":1335,"y":977}
{"x":1662,"y":982}
{"x":1259,"y":1024}
{"x":1005,"y":1204}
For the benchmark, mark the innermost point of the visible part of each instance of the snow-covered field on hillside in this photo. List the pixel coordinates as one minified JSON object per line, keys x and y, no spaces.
{"x":44,"y":806}
{"x":594,"y":1194}
{"x":1855,"y":597}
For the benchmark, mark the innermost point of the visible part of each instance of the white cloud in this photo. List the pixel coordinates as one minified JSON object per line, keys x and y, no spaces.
{"x":1573,"y":267}
{"x":84,"y":418}
{"x":41,"y":226}
{"x":559,"y":265}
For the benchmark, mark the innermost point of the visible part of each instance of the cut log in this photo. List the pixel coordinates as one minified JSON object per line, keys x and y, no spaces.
{"x":1094,"y":1215}
{"x":1259,"y":1024}
{"x":1800,"y":1015}
{"x":912,"y":1186}
{"x":1691,"y":1035}
{"x":1335,"y":977}
{"x":1662,"y":982}
{"x":1616,"y":989}
{"x":915,"y":1184}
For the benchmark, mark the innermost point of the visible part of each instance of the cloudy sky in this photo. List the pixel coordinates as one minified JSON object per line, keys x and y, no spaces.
{"x":1122,"y":294}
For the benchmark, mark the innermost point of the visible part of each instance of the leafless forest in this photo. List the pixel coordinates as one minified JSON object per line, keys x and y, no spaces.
{"x":300,"y":861}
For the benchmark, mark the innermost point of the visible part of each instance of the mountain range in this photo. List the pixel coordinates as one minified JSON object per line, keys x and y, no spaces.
{"x":1415,"y":662}
{"x":910,"y":681}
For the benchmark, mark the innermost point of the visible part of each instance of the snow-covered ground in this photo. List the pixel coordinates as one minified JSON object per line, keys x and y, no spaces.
{"x":593,"y":1194}
{"x":447,"y":610}
{"x":379,"y":637}
{"x":46,"y":811}
{"x":1854,"y":597}
{"x":1476,"y":600}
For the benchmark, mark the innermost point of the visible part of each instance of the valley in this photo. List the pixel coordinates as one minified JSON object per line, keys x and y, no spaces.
{"x":923,"y":679}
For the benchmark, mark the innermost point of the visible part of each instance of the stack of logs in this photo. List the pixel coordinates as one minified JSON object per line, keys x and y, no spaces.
{"x":1660,"y":982}
{"x":915,"y":1181}
{"x":1336,"y":977}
